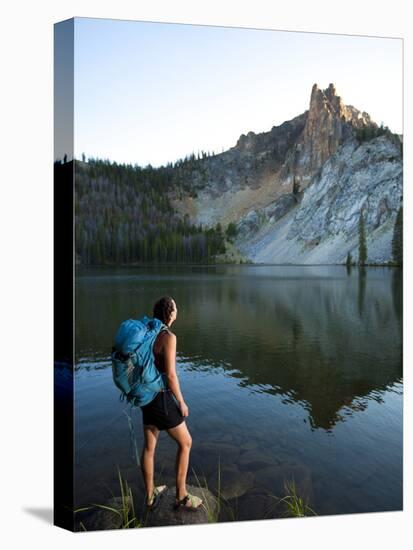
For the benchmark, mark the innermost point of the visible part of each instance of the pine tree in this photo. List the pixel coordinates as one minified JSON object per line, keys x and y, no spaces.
{"x":349,"y":260}
{"x":362,"y":240}
{"x":231,"y":231}
{"x":296,"y":186}
{"x":397,"y":242}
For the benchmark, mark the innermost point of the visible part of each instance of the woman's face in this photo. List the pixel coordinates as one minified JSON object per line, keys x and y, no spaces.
{"x":173,"y":314}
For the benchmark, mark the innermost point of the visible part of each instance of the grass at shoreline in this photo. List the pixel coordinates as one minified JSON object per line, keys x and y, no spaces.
{"x":125,"y":514}
{"x":294,"y":505}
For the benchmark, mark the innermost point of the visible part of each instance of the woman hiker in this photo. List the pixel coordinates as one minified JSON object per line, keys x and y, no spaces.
{"x":164,"y":413}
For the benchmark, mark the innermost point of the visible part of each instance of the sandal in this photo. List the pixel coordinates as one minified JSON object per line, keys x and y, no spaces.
{"x":189,"y":502}
{"x":154,"y":500}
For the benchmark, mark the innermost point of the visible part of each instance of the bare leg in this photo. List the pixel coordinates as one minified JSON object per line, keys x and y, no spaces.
{"x":184,"y":440}
{"x":151,"y":434}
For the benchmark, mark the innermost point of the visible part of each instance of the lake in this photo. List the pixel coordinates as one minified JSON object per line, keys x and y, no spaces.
{"x":289,"y":372}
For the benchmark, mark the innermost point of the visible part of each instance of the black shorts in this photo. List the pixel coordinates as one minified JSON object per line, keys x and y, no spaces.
{"x":163,"y":412}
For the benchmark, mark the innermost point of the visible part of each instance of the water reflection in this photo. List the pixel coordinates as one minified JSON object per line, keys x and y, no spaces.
{"x":397,"y":293}
{"x":362,"y":274}
{"x":287,"y":371}
{"x":320,"y":336}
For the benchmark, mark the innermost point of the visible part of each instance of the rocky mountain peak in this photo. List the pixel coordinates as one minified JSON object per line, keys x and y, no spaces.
{"x":329,"y":123}
{"x":328,"y":100}
{"x":325,"y":100}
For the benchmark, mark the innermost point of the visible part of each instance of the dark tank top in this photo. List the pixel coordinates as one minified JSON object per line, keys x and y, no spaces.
{"x":159,"y":357}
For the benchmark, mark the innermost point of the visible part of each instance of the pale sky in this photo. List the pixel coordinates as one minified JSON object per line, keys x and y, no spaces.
{"x":155,"y":92}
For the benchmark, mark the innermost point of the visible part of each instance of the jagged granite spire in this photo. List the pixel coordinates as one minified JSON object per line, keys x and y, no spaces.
{"x":329,"y":123}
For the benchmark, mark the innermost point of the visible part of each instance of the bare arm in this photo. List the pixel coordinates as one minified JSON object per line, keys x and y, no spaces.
{"x":170,"y":371}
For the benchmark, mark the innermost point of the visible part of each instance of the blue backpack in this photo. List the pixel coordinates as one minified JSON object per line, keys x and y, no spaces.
{"x":133,"y":363}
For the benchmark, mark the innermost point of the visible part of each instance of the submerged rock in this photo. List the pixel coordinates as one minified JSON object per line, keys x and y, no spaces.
{"x":216,"y":453}
{"x":231,"y":483}
{"x":273,"y":478}
{"x":100,"y":519}
{"x":255,"y":506}
{"x":252,"y":456}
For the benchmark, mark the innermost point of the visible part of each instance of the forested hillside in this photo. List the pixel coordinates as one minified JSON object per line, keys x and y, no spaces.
{"x":124,"y":215}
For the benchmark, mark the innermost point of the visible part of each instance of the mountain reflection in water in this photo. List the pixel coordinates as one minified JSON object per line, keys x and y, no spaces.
{"x":290,"y":353}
